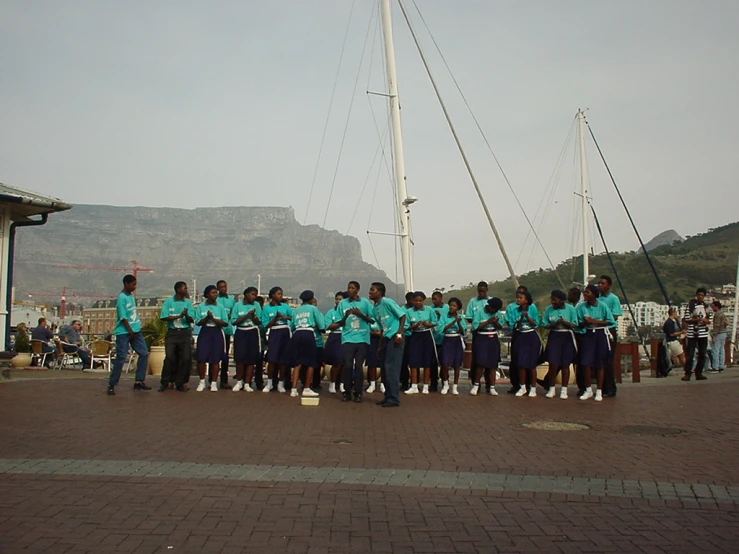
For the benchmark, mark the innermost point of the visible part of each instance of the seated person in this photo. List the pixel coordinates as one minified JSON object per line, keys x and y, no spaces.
{"x":72,"y":342}
{"x":43,"y":333}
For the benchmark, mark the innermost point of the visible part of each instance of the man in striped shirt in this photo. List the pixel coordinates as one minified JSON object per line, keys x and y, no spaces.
{"x":696,"y":317}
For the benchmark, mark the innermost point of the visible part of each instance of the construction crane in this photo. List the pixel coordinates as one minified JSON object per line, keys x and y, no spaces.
{"x":134,"y":268}
{"x":64,"y":294}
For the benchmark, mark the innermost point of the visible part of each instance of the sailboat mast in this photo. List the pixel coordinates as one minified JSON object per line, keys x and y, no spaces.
{"x":584,"y":198}
{"x":397,"y":139}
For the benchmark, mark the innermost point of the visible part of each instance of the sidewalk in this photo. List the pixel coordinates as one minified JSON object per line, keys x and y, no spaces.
{"x":652,"y":470}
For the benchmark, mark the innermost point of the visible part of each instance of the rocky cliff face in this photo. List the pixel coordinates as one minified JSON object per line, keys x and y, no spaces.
{"x":665,"y":238}
{"x":208,"y":244}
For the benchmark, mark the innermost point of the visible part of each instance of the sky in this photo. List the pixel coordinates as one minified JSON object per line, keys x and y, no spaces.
{"x":186,"y":104}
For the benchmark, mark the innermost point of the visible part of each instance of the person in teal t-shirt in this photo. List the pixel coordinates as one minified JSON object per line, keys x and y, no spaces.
{"x":422,"y":349}
{"x":212,"y":318}
{"x":595,"y":318}
{"x":355,"y":339}
{"x":440,"y":309}
{"x":306,"y":321}
{"x":127,"y":333}
{"x":227,"y":302}
{"x":179,"y":314}
{"x":391,"y":318}
{"x":560,"y":318}
{"x":614,"y":304}
{"x":246,"y":320}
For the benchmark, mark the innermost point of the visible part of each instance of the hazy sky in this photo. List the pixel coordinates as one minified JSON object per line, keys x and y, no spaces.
{"x":186,"y":104}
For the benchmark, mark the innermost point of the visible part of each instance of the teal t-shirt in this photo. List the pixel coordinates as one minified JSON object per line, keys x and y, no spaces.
{"x":240,"y":309}
{"x":424,"y":314}
{"x":125,"y":308}
{"x":216,"y":310}
{"x":308,"y":316}
{"x":440,"y":312}
{"x":356,"y":329}
{"x":513,"y":316}
{"x":173,"y":307}
{"x":270,"y":311}
{"x":454,"y":329}
{"x":600,"y":311}
{"x":614,"y":304}
{"x":482,"y":315}
{"x":475,"y":305}
{"x":227,"y":302}
{"x":566,"y":312}
{"x":387,"y":313}
{"x":333,"y":316}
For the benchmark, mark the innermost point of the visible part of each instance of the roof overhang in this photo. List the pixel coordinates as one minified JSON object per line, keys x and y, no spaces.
{"x":26,"y":204}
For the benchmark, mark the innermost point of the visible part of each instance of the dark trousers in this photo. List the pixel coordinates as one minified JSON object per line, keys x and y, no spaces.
{"x":83,"y":354}
{"x":390,"y":363}
{"x":405,"y":374}
{"x":224,"y":361}
{"x":690,"y":345}
{"x":609,"y":375}
{"x":316,"y":384}
{"x":354,"y":355}
{"x":177,"y":357}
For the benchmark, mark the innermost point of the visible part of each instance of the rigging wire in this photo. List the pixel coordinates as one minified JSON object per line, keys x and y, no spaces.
{"x":479,"y":128}
{"x":615,"y":274}
{"x":364,"y":186}
{"x":346,"y":124}
{"x":631,"y":219}
{"x":511,"y":271}
{"x":328,"y":115}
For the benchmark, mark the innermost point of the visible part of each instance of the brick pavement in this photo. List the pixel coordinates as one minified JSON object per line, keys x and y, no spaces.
{"x":257,"y":472}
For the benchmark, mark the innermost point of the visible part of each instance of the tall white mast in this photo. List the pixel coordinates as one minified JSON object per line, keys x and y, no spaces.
{"x":397,"y":138}
{"x":584,"y":195}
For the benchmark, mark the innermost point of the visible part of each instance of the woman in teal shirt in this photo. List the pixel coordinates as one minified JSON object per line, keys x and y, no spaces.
{"x":524,"y":321}
{"x":560,"y":318}
{"x":422,"y":348}
{"x":306,"y":320}
{"x":276,"y":318}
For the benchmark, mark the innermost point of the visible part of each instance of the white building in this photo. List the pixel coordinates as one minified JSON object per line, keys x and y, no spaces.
{"x":17,"y":209}
{"x":646,"y":314}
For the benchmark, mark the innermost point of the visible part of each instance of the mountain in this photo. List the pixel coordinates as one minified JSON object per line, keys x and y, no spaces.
{"x":664,"y":238}
{"x":707,"y":259}
{"x":231,"y":243}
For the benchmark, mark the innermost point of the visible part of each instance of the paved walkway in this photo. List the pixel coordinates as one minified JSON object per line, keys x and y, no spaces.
{"x":651,"y":471}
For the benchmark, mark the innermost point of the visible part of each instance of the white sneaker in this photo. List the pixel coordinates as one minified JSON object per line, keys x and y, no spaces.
{"x":598,"y":396}
{"x":521,"y":391}
{"x":563,"y":394}
{"x":455,"y":390}
{"x":532,"y":392}
{"x":550,"y":393}
{"x":371,"y":388}
{"x":247,"y":388}
{"x":341,"y":388}
{"x":587,"y":395}
{"x":214,"y":386}
{"x":425,"y":389}
{"x":309,"y":392}
{"x":332,"y":388}
{"x":445,"y":388}
{"x":382,"y":388}
{"x":294,"y":393}
{"x":281,"y":387}
{"x":474,"y":389}
{"x":267,"y":386}
{"x":238,"y":386}
{"x":412,"y":390}
{"x":493,"y":392}
{"x":201,"y":386}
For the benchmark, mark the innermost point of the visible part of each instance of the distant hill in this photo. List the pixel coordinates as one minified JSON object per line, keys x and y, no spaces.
{"x":707,"y":259}
{"x":231,"y":243}
{"x":665,"y":238}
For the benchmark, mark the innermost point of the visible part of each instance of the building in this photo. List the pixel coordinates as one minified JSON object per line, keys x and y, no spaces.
{"x":99,"y":319}
{"x":646,"y":314}
{"x":18,"y":208}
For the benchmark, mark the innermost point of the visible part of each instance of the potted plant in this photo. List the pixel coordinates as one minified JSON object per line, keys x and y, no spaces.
{"x":155,"y":331}
{"x":22,"y":348}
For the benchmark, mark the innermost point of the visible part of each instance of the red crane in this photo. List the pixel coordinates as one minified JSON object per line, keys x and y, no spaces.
{"x":64,"y":294}
{"x":134,"y":268}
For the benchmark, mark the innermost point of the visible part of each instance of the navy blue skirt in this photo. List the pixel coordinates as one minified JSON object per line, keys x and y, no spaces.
{"x":332,"y":349}
{"x":486,"y":350}
{"x":278,"y":341}
{"x":247,"y":346}
{"x":595,"y":348}
{"x":211,"y":345}
{"x":452,"y":351}
{"x":373,"y":359}
{"x":561,"y":348}
{"x":422,"y":350}
{"x":526,"y":349}
{"x":303,"y":349}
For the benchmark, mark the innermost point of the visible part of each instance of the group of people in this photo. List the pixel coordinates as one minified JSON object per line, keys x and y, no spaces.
{"x":404,"y":348}
{"x":68,"y":336}
{"x":698,"y":322}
